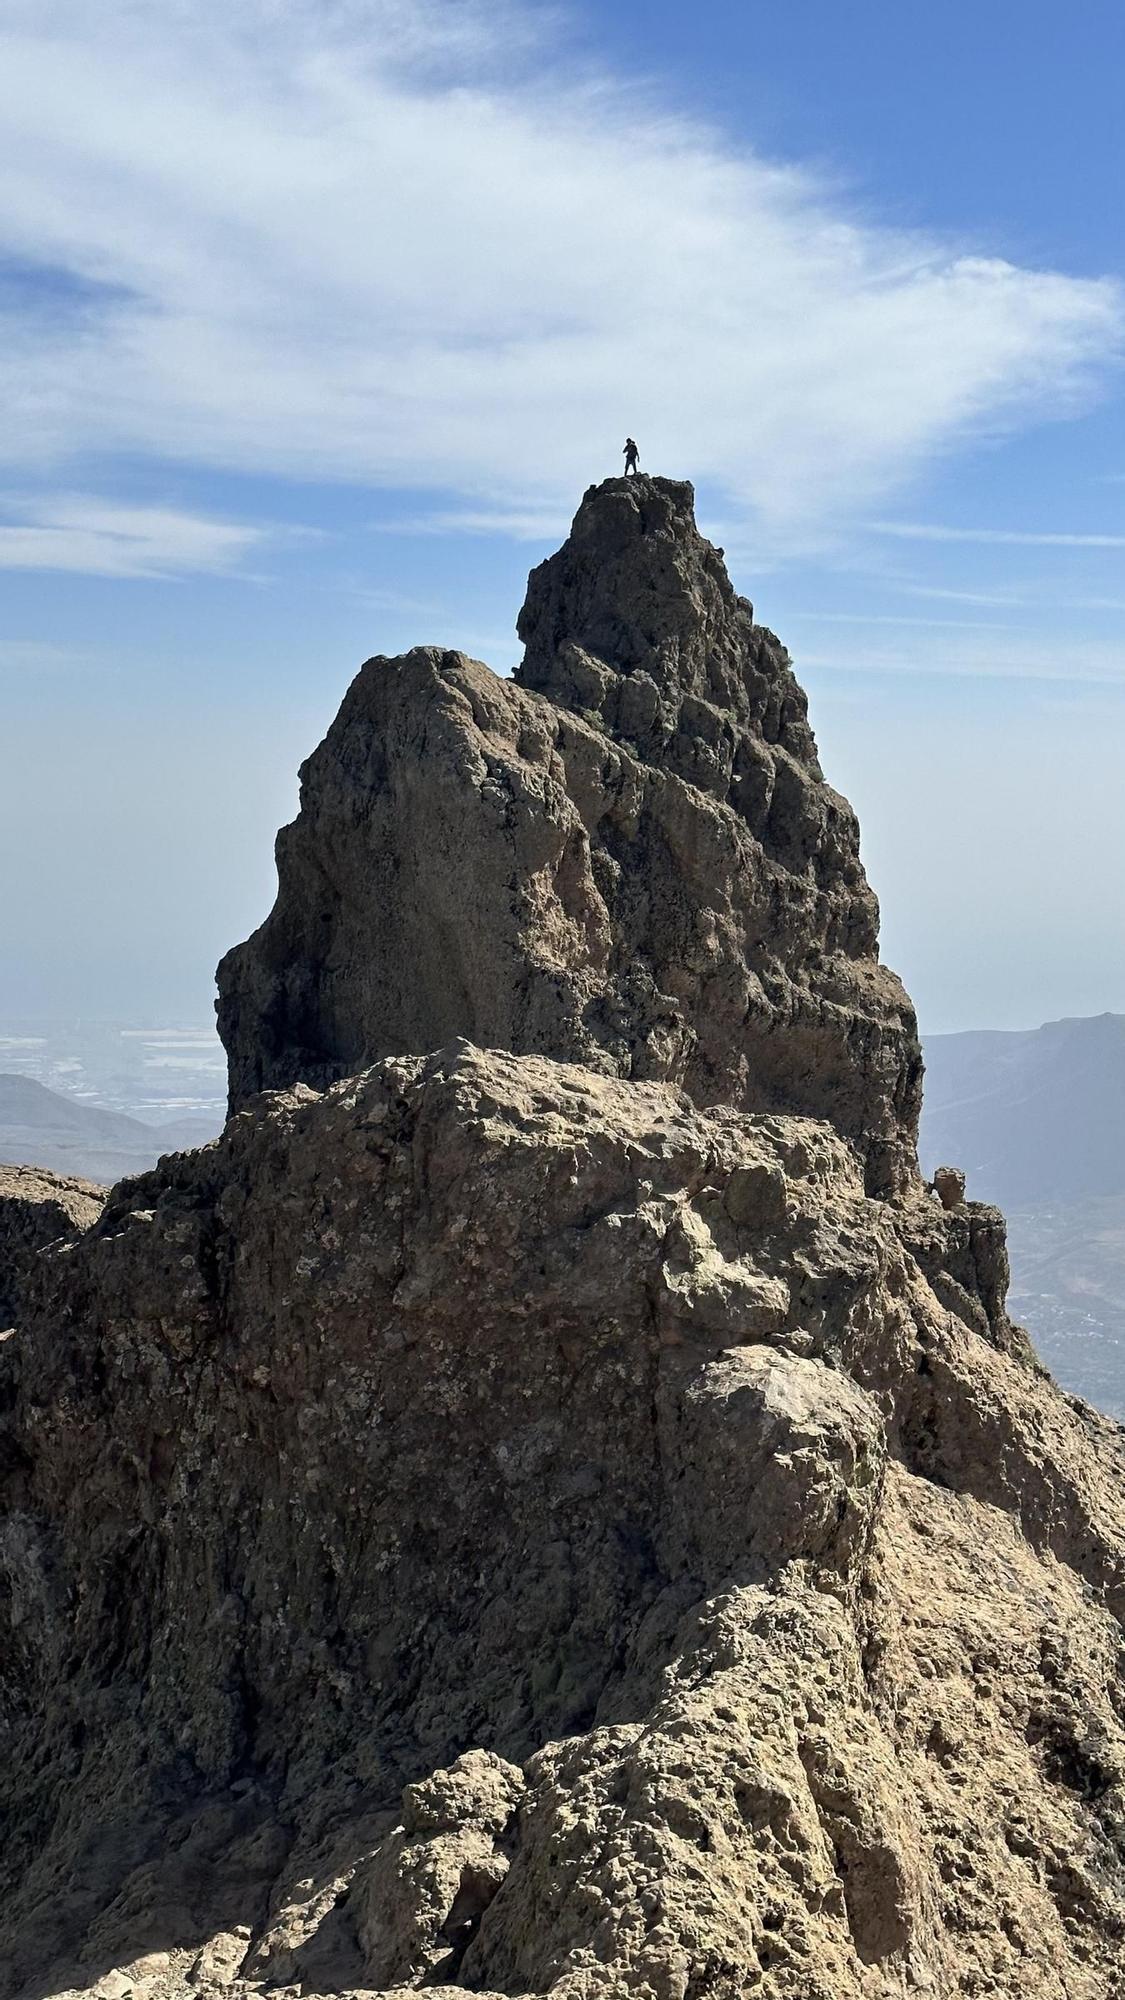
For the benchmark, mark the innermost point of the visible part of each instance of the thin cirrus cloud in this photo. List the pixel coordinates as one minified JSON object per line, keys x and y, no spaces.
{"x":35,"y":655}
{"x":1081,"y":663}
{"x":1025,"y":599}
{"x":100,"y":538}
{"x":1022,"y":538}
{"x":397,"y":243}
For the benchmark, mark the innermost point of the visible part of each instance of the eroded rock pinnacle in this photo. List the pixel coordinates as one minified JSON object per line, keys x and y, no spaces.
{"x":627,"y":857}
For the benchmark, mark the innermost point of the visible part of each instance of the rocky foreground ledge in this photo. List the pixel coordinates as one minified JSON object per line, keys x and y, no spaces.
{"x":37,"y":1209}
{"x":505,"y":1523}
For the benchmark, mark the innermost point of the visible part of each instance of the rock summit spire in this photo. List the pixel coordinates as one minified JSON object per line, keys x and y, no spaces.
{"x":627,"y":857}
{"x":635,"y":620}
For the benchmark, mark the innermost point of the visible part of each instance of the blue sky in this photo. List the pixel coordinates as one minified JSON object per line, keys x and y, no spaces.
{"x":318,"y":318}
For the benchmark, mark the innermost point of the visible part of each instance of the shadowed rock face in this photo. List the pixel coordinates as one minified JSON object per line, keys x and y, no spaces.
{"x":527,"y":1519}
{"x":629,"y":859}
{"x":37,"y":1208}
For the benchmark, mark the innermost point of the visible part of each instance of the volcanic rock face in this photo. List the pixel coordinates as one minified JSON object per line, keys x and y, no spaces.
{"x":37,"y":1208}
{"x":629,"y":860}
{"x":500,"y":1523}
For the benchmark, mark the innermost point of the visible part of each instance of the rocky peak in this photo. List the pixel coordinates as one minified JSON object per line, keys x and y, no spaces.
{"x":636,"y":621}
{"x":626,"y":858}
{"x":519,"y":1517}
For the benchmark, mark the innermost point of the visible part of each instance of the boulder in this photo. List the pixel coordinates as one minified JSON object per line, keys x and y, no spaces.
{"x":949,"y":1186}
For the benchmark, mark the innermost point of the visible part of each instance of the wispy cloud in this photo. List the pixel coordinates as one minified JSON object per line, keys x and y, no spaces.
{"x":100,"y":538}
{"x":1025,"y":600}
{"x":36,"y":655}
{"x":523,"y":524}
{"x":1015,"y":598}
{"x":1030,"y":602}
{"x":378,"y":242}
{"x":893,"y":618}
{"x":1111,"y":604}
{"x":1081,"y":663}
{"x":1022,"y":538}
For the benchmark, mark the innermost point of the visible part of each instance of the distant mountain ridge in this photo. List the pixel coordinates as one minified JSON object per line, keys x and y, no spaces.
{"x":1036,"y":1120}
{"x":44,"y":1128}
{"x":1031,"y":1116}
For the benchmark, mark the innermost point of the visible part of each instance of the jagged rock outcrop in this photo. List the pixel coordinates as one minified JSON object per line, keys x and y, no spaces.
{"x":629,"y":859}
{"x":37,"y":1208}
{"x":499,"y":1523}
{"x":488,"y":1409}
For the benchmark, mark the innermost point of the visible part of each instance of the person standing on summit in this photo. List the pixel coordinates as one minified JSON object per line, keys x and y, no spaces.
{"x":632,"y":456}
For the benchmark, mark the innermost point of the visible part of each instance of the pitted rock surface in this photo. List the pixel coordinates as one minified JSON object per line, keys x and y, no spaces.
{"x":629,"y":860}
{"x":571,"y":1516}
{"x":495,"y":1523}
{"x":635,"y":621}
{"x":37,"y":1208}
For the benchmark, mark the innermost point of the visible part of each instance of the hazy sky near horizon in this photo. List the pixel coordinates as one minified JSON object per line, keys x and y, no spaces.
{"x":318,"y":316}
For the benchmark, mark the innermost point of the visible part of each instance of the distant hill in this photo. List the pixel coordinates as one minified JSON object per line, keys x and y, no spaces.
{"x":44,"y":1128}
{"x":1038,"y":1116}
{"x":1037,"y":1120}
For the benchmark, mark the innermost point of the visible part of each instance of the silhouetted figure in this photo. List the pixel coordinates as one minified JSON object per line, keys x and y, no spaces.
{"x":632,"y":455}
